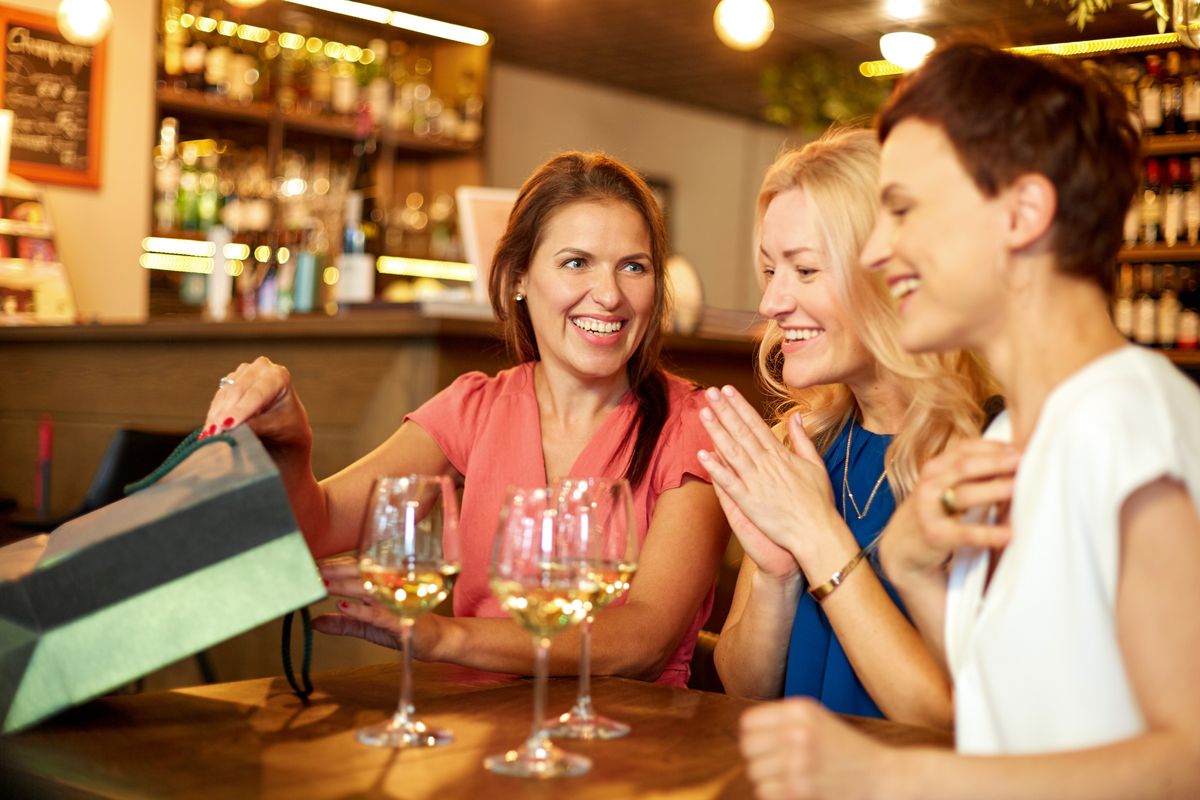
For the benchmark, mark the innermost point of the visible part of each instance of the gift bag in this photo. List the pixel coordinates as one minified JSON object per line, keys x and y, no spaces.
{"x":206,"y":551}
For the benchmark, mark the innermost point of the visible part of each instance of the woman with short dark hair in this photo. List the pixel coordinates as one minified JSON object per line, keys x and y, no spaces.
{"x":1055,"y":564}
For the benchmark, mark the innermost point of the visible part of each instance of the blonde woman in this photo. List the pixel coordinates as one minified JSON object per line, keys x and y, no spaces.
{"x":860,"y":416}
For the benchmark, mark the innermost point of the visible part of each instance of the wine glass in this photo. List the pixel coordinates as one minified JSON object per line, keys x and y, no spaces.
{"x":408,"y":558}
{"x":597,"y":516}
{"x":540,"y":582}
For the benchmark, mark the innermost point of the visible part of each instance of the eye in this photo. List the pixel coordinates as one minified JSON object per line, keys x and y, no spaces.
{"x":574,"y":263}
{"x":898,"y":212}
{"x":635,"y":267}
{"x":805,"y":272}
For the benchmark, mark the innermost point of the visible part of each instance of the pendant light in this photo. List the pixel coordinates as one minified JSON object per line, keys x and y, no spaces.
{"x":743,"y":24}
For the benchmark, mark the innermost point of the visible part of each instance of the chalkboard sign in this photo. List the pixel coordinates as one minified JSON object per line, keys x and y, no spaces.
{"x":55,"y":90}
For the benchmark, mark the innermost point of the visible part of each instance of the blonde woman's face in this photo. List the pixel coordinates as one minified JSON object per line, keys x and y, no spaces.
{"x":799,"y":281}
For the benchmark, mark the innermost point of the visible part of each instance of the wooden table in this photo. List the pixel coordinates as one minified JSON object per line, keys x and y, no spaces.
{"x":256,"y":739}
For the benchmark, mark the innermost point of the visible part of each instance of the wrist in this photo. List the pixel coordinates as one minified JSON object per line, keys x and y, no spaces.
{"x":826,"y":549}
{"x":785,"y":588}
{"x":443,"y":639}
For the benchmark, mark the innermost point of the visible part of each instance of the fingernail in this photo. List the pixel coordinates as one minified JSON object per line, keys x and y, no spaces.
{"x":706,"y":414}
{"x":324,"y":581}
{"x":343,"y":604}
{"x":728,"y":390}
{"x":702,"y":454}
{"x":211,"y":429}
{"x":712,"y":394}
{"x":228,"y":423}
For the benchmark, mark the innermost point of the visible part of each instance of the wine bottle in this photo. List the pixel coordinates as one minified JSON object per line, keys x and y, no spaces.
{"x":1151,"y":204}
{"x":1150,"y":96}
{"x":1172,"y":95}
{"x":1189,"y":313}
{"x":1167,"y":313}
{"x":1145,"y":307}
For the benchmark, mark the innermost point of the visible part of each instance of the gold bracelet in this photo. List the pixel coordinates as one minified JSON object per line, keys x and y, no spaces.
{"x":819,"y":593}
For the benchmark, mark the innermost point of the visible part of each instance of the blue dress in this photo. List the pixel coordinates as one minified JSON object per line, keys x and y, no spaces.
{"x":817,"y":665}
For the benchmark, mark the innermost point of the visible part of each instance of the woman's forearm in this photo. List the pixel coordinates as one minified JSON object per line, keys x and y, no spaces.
{"x":751,"y":655}
{"x":1155,"y":766}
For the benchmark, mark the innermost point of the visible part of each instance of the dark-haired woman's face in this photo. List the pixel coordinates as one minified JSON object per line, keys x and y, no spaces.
{"x":939,"y":242}
{"x":589,"y":289}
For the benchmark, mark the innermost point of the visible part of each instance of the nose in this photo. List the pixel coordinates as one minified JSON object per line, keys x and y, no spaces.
{"x":776,"y":301}
{"x":878,"y":249}
{"x":605,"y":289}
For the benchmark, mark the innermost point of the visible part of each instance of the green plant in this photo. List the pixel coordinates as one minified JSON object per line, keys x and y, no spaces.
{"x":816,"y":90}
{"x":1081,"y":12}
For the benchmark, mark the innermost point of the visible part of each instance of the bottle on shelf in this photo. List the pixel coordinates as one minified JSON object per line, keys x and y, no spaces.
{"x":1167,"y":313}
{"x":1174,"y":228}
{"x":216,"y":61}
{"x":356,"y":268}
{"x":166,"y":176}
{"x":1150,"y":96}
{"x":1191,"y":202}
{"x":195,"y":54}
{"x":1190,"y":110}
{"x":1151,"y":205}
{"x":1145,"y":307}
{"x":1172,"y":95}
{"x":1188,"y":330}
{"x":174,"y":43}
{"x":1122,"y":311}
{"x":377,"y":86}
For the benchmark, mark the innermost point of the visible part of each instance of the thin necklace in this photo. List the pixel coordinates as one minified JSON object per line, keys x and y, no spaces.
{"x":846,"y":482}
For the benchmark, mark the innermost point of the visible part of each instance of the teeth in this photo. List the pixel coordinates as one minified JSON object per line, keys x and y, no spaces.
{"x":801,"y":334}
{"x":905,"y":286}
{"x":596,"y":326}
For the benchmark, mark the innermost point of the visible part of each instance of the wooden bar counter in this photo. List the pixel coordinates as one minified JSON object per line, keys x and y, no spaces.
{"x":256,"y":739}
{"x":358,"y":375}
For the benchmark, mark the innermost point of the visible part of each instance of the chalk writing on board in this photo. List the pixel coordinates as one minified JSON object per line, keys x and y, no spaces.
{"x":47,"y":86}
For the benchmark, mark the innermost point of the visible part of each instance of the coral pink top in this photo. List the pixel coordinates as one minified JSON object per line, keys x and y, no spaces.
{"x":490,"y":430}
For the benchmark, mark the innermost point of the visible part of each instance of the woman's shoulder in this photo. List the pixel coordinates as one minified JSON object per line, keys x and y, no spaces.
{"x":513,"y":380}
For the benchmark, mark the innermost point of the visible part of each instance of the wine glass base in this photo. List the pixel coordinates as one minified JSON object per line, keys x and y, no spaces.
{"x":536,"y":759}
{"x":576,"y":726}
{"x":401,"y":734}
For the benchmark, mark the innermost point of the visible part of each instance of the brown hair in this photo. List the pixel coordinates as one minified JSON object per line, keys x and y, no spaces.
{"x":1007,"y":115}
{"x":943,"y":392}
{"x":570,"y":178}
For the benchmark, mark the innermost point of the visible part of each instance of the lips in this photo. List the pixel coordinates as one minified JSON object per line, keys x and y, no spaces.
{"x":597,"y":326}
{"x":801,"y":334}
{"x":902,"y":286}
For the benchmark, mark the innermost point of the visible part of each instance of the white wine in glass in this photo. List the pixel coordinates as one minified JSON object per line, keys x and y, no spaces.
{"x":408,"y":558}
{"x":539,"y":581}
{"x":596,"y":516}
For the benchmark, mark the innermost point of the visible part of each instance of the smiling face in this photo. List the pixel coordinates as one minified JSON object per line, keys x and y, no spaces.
{"x":589,"y":289}
{"x":939,"y":241}
{"x":800,"y":294}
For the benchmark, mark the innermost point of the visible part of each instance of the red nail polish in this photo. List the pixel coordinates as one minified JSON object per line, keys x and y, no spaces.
{"x":343,"y":604}
{"x":324,"y":581}
{"x":211,"y":429}
{"x":228,"y":423}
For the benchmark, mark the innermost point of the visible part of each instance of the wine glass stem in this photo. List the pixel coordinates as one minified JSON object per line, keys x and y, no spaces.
{"x":404,"y":712}
{"x":583,"y":702}
{"x":541,"y":669}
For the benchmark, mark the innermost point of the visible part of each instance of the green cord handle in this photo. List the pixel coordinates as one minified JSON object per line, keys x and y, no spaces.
{"x":189,"y":445}
{"x":306,"y":664}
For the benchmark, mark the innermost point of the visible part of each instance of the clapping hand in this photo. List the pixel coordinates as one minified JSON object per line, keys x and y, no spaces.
{"x":772,"y":495}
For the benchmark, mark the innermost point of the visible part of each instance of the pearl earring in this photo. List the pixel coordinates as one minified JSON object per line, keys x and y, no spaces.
{"x":519,"y":296}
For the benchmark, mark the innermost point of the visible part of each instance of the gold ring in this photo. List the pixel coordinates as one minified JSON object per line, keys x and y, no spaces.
{"x":950,"y":502}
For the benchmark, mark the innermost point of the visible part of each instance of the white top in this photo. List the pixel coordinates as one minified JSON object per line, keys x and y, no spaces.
{"x":1036,"y":662}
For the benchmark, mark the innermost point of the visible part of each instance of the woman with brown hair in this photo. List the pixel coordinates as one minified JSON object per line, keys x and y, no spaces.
{"x":860,"y":416}
{"x":578,"y":282}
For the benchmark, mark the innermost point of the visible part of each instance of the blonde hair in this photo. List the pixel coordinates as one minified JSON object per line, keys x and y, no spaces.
{"x":943,"y":392}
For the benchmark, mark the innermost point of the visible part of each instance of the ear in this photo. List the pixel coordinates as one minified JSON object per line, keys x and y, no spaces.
{"x":1032,"y":205}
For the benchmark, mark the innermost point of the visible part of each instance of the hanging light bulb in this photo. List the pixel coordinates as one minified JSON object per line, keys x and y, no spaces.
{"x":743,"y":24}
{"x":245,"y":3}
{"x":905,"y":49}
{"x":84,"y":21}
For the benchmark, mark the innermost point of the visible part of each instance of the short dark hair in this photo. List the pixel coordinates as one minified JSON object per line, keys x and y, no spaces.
{"x":576,"y":177}
{"x":1008,"y":115}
